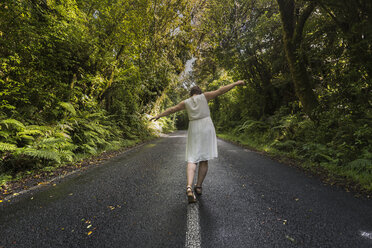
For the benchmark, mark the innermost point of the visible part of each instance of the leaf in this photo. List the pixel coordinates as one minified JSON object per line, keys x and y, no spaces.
{"x":7,"y":147}
{"x":12,"y":122}
{"x":290,"y":238}
{"x":68,"y":106}
{"x":41,"y":154}
{"x":30,"y":132}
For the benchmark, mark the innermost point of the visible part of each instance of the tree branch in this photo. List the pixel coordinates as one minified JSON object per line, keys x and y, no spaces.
{"x":297,"y":37}
{"x":286,"y":8}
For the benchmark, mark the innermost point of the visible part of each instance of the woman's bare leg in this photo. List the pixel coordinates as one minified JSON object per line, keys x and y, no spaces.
{"x":190,"y":172}
{"x":203,"y":169}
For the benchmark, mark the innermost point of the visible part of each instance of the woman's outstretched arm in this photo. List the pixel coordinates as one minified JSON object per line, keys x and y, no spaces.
{"x":213,"y":94}
{"x":171,"y":110}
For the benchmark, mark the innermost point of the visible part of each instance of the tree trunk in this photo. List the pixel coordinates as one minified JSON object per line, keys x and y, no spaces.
{"x":292,"y":37}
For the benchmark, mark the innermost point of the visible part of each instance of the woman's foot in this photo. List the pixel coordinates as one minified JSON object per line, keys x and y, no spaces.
{"x":190,"y":195}
{"x":198,"y":189}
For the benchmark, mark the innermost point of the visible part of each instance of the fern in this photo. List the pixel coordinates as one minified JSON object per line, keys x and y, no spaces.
{"x":5,"y":134}
{"x":361,"y":165}
{"x":43,"y":129}
{"x":95,"y":115}
{"x":65,"y":127}
{"x":30,"y":132}
{"x":97,"y":128}
{"x":88,"y":149}
{"x":68,"y":106}
{"x":13,"y":123}
{"x":249,"y":124}
{"x":52,"y":141}
{"x":287,"y":145}
{"x":63,"y":135}
{"x":26,"y":137}
{"x":40,"y":154}
{"x":7,"y":147}
{"x":319,"y":153}
{"x":67,"y":155}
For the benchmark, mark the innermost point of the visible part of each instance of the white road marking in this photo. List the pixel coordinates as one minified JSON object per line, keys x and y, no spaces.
{"x":46,"y":183}
{"x":367,"y":235}
{"x":193,"y":237}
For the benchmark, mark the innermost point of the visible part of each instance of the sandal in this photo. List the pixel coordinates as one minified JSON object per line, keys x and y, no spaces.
{"x":198,"y":190}
{"x":190,"y":195}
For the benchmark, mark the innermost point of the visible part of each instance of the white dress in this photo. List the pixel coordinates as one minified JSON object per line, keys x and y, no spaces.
{"x":201,"y":135}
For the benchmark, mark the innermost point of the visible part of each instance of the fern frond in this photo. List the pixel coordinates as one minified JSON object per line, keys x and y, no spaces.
{"x":12,"y":122}
{"x":67,"y":155}
{"x":30,"y":132}
{"x":68,"y":106}
{"x":26,"y":137}
{"x":5,"y":134}
{"x":65,"y":126}
{"x":97,"y":128}
{"x":88,"y":149}
{"x":40,"y":128}
{"x":362,"y":165}
{"x":287,"y":145}
{"x":40,"y":154}
{"x":252,"y":124}
{"x":95,"y":115}
{"x":63,"y":135}
{"x":7,"y":147}
{"x":52,"y":141}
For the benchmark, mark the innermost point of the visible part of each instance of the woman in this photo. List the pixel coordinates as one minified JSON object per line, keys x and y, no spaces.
{"x":201,"y":136}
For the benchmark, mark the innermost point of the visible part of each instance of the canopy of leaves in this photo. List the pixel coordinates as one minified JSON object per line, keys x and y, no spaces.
{"x":331,"y":45}
{"x":78,"y":76}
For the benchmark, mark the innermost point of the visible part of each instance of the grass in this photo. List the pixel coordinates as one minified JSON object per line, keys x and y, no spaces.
{"x":349,"y":177}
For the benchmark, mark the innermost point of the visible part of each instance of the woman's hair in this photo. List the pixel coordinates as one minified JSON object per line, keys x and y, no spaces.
{"x":195,"y":90}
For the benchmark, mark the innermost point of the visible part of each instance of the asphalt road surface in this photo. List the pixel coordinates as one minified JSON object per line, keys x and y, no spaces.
{"x":138,"y":199}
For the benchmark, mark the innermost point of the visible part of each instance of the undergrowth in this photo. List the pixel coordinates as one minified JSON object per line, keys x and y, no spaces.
{"x":26,"y":148}
{"x":341,"y":148}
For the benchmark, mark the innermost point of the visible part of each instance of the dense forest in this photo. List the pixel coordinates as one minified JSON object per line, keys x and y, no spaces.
{"x":79,"y":77}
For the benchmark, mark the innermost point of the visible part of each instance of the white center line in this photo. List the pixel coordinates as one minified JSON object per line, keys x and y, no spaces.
{"x":193,"y":238}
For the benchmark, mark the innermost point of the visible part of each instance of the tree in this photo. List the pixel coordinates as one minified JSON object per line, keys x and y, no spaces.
{"x":294,"y":16}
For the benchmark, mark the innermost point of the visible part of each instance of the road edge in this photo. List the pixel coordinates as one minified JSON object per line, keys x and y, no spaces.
{"x":91,"y":162}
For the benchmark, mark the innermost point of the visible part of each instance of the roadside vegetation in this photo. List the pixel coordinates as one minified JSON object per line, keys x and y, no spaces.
{"x":308,"y":65}
{"x":79,"y":77}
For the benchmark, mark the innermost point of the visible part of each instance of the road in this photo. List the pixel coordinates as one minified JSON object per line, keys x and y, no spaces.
{"x":137,"y":199}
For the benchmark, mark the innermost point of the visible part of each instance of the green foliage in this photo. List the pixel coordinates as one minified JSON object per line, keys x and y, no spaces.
{"x":7,"y":147}
{"x":68,"y":106}
{"x":361,"y":166}
{"x":40,"y":154}
{"x":77,"y":77}
{"x":12,"y":123}
{"x":244,"y":40}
